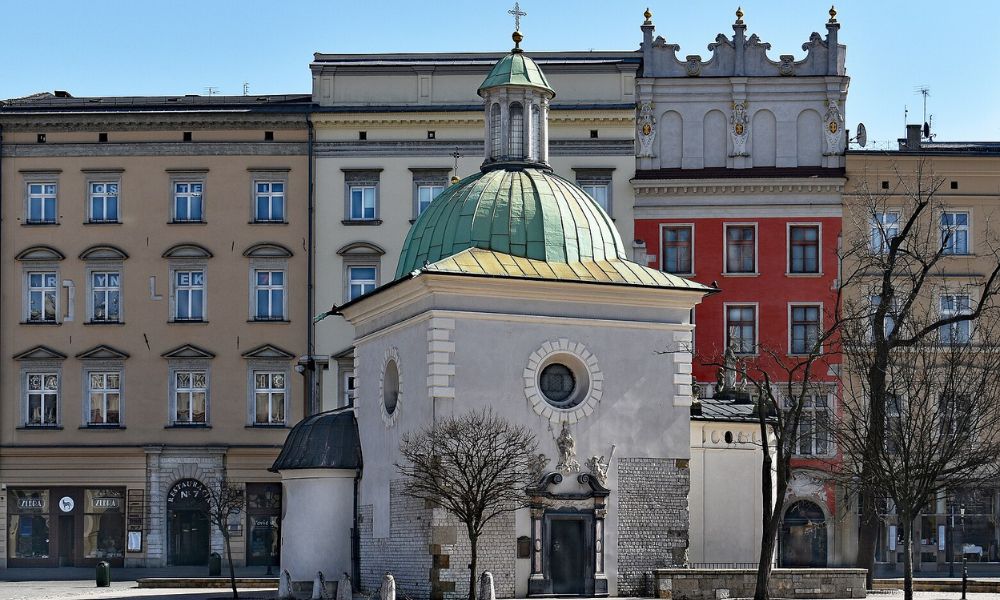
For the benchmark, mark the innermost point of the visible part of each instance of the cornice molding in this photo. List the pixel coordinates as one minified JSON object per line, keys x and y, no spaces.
{"x":381,"y":148}
{"x":125,"y":120}
{"x":671,"y":187}
{"x":156,"y":149}
{"x":606,"y":118}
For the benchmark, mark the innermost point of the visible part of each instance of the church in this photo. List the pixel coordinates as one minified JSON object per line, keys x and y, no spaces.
{"x":513,"y":292}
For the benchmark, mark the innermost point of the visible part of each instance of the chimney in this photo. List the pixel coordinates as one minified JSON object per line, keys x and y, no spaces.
{"x":912,"y":141}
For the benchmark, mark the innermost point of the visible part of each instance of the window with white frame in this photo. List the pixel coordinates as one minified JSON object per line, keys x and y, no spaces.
{"x":599,"y":192}
{"x":803,"y":249}
{"x":103,"y":202}
{"x":678,"y":249}
{"x":361,"y":280}
{"x":104,"y":397}
{"x":953,"y":305}
{"x":189,"y":295}
{"x":741,"y":249}
{"x":269,"y":397}
{"x":269,"y":295}
{"x":805,"y":328}
{"x":426,"y":193}
{"x":895,"y":407}
{"x":349,"y":388}
{"x":42,"y":297}
{"x":955,"y":232}
{"x":884,"y":228}
{"x":813,"y":436}
{"x":41,"y":399}
{"x":741,"y":328}
{"x":41,"y":202}
{"x":188,"y":202}
{"x":888,"y":322}
{"x":190,"y":397}
{"x":269,"y":202}
{"x":362,"y":202}
{"x":105,"y":289}
{"x":953,"y":412}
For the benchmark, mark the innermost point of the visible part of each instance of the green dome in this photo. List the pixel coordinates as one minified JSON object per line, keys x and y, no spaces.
{"x":526,"y":212}
{"x":516,"y":69}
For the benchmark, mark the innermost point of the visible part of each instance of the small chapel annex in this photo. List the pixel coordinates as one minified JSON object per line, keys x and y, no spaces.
{"x":514,"y":291}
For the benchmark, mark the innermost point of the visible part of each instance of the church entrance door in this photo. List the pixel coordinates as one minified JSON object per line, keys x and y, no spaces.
{"x":567,"y":555}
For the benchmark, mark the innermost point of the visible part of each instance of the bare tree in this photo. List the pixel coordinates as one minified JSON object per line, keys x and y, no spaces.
{"x":225,"y":499}
{"x":898,"y":251}
{"x":476,"y":467}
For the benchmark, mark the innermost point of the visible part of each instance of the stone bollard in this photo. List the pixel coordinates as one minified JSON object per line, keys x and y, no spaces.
{"x":284,"y":585}
{"x":388,"y":590}
{"x":319,"y":587}
{"x":486,"y":589}
{"x":345,"y":590}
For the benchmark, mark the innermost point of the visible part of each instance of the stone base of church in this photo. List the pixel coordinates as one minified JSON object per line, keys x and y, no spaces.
{"x":705,"y":584}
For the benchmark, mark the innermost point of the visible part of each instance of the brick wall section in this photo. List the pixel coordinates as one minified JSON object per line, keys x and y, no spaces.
{"x":405,"y":553}
{"x":497,"y":554}
{"x":652,"y":519}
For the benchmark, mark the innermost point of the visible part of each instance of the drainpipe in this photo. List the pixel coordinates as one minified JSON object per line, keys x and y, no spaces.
{"x":2,"y":199}
{"x":312,"y":406}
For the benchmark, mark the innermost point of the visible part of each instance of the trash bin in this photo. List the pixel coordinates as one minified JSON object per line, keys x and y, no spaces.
{"x":214,"y":564}
{"x":103,"y":575}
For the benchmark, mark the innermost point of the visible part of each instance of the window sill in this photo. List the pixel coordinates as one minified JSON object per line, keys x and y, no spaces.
{"x":40,"y":323}
{"x":191,"y":222}
{"x":188,"y":321}
{"x":361,"y":222}
{"x":268,"y":321}
{"x":267,"y":426}
{"x":755,"y":274}
{"x":678,"y":274}
{"x":40,"y":428}
{"x":97,"y":427}
{"x":188,"y":426}
{"x":790,"y":274}
{"x":39,"y":223}
{"x":267,"y":222}
{"x":957,"y":255}
{"x":102,"y":222}
{"x":104,"y":322}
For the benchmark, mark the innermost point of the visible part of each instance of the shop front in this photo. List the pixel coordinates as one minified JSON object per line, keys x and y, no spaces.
{"x":264,"y":523}
{"x":65,"y":526}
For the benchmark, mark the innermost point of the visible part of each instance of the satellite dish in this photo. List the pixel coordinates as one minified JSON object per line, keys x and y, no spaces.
{"x":927,"y":129}
{"x":862,"y":137}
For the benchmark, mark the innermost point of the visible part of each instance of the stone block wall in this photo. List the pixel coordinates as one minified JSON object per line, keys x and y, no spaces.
{"x":712,"y":584}
{"x":497,"y":554}
{"x":652,"y":518}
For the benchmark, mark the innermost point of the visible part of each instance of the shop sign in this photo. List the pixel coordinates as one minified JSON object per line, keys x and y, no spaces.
{"x":263,"y":522}
{"x":189,"y":490}
{"x":107,"y":502}
{"x":30,"y":503}
{"x":66,"y":504}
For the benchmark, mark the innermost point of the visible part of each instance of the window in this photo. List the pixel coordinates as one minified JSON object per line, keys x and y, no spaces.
{"x":189,"y":295}
{"x":349,"y":387}
{"x":362,"y":202}
{"x":269,"y":293}
{"x":884,"y":228}
{"x":894,"y":425}
{"x":269,"y":202}
{"x":190,"y":397}
{"x":516,"y":131}
{"x":103,"y":202}
{"x":599,"y":192}
{"x":106,"y":293}
{"x":104,"y":398}
{"x":43,"y":294}
{"x":741,"y":329}
{"x":813,"y":435}
{"x":188,"y":202}
{"x":536,"y":134}
{"x":805,"y":329}
{"x":42,"y":401}
{"x":495,"y":136}
{"x":678,"y":249}
{"x":955,"y":333}
{"x":955,"y":232}
{"x":953,"y":413}
{"x":269,"y":398}
{"x":41,"y":202}
{"x":425,"y":194}
{"x":803,"y":249}
{"x":741,"y":249}
{"x":889,"y":323}
{"x":361,"y":280}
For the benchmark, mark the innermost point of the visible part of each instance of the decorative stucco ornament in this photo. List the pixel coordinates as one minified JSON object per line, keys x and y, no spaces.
{"x":833,"y":128}
{"x":740,"y":128}
{"x":692,"y":66}
{"x":567,"y":451}
{"x":786,"y":66}
{"x":646,"y":126}
{"x":804,"y":485}
{"x":537,"y":466}
{"x":598,"y":468}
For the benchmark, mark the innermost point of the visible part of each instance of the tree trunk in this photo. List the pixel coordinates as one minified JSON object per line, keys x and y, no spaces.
{"x":768,"y":516}
{"x":232,"y":569}
{"x":474,"y":542}
{"x":907,"y":557}
{"x":766,"y":559}
{"x":867,"y":537}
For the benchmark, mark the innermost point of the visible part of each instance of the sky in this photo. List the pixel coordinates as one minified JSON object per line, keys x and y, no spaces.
{"x":140,"y":47}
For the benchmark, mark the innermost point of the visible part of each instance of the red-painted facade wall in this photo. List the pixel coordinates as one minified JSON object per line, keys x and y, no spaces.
{"x":772,"y":290}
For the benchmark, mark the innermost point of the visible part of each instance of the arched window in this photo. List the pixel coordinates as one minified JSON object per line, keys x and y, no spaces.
{"x":516,"y":131}
{"x":536,"y":133}
{"x":495,"y":140}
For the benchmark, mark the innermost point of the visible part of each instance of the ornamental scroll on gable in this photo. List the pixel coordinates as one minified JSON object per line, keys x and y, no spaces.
{"x":646,"y":126}
{"x":742,"y":56}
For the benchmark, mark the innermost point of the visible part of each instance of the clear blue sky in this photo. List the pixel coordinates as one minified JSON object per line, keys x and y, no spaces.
{"x":139,"y":47}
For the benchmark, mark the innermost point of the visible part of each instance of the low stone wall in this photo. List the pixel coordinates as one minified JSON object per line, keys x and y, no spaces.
{"x":716,"y":584}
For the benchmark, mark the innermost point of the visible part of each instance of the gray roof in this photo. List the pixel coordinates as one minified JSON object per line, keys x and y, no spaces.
{"x":712,"y":409}
{"x":327,"y":440}
{"x":65,"y":102}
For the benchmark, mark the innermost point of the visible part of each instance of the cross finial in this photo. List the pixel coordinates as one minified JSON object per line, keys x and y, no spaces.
{"x":517,"y":13}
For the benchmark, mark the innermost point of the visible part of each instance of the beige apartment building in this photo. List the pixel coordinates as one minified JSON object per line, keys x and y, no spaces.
{"x":391,"y":131}
{"x":154,"y":309}
{"x":966,"y":209}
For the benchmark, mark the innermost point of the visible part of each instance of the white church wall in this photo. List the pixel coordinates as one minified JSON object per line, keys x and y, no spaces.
{"x":308,"y":544}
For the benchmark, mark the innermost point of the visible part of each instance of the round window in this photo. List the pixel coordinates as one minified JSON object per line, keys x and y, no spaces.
{"x":557,"y":383}
{"x":390,"y":387}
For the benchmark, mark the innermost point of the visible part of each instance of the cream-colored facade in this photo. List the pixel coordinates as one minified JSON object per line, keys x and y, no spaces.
{"x":154,"y":276}
{"x":967,"y":176}
{"x":393,"y":124}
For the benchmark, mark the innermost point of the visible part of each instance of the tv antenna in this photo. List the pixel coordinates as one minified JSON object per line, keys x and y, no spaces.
{"x":861,"y":137}
{"x":211,"y":90}
{"x":924,"y":91}
{"x":246,"y":88}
